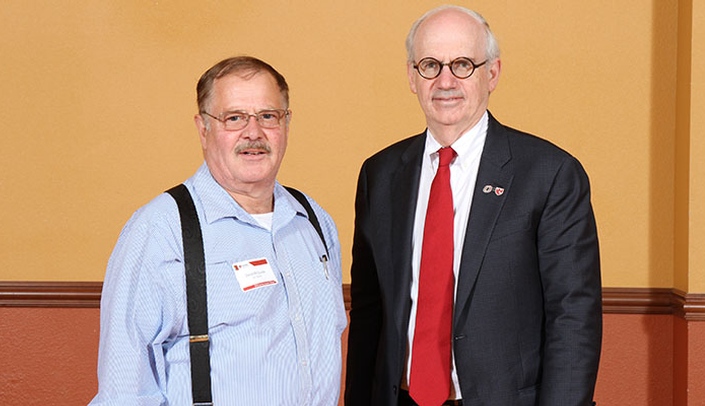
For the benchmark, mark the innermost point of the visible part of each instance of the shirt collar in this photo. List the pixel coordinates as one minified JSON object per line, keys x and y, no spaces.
{"x":217,"y":203}
{"x":470,"y":141}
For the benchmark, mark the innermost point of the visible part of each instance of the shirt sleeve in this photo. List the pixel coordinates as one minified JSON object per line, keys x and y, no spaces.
{"x":134,"y":318}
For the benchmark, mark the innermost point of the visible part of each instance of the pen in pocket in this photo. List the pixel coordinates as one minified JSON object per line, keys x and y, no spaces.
{"x":324,"y":259}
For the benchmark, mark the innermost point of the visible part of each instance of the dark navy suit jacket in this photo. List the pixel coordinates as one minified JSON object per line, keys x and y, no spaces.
{"x":527,"y":323}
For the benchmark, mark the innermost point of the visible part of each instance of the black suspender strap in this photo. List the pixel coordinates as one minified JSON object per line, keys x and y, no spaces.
{"x":195,"y":264}
{"x":311,"y":214}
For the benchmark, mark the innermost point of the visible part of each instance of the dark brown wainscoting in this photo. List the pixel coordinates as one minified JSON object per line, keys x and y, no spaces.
{"x":50,"y":294}
{"x":690,"y":306}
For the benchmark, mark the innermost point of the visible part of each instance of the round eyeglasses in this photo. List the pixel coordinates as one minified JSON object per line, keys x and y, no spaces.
{"x":461,"y":68}
{"x":237,"y":120}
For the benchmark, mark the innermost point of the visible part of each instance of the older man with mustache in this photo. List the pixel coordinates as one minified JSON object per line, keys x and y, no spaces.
{"x":271,"y":310}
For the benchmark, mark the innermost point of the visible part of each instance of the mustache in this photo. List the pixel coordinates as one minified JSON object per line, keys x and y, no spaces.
{"x":446,"y":94}
{"x":261,"y":145}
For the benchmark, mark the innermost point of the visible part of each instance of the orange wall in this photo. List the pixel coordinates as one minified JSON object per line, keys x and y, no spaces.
{"x":98,"y":97}
{"x":696,"y":130}
{"x":636,"y":367}
{"x":49,"y":356}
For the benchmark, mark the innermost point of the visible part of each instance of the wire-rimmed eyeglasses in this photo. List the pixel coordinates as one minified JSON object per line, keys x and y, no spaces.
{"x":237,"y":120}
{"x":461,"y":68}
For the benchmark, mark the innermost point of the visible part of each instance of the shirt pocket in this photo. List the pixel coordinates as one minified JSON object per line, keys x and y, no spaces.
{"x":228,"y":304}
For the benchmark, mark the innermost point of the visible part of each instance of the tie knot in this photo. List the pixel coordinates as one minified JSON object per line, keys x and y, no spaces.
{"x":445,"y":155}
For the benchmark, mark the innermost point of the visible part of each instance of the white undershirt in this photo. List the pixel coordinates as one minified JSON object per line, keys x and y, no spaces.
{"x":463,"y":174}
{"x":265,"y":219}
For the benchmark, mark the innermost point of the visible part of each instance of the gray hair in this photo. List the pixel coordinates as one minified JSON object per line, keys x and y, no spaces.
{"x":491,"y":45}
{"x":243,"y":66}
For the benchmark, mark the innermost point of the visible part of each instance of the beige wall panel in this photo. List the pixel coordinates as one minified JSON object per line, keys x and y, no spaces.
{"x":98,"y":98}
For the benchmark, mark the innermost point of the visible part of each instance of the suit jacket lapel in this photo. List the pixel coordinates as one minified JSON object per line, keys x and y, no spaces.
{"x":403,"y":197}
{"x":486,"y":204}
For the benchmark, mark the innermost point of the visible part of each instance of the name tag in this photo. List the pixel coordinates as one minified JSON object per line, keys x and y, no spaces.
{"x":254,"y":273}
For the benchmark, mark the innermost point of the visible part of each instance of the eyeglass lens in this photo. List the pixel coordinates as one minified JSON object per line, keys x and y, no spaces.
{"x":461,"y":68}
{"x":237,"y":120}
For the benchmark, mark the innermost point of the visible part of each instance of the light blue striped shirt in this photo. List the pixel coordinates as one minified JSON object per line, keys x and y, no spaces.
{"x":277,"y":344}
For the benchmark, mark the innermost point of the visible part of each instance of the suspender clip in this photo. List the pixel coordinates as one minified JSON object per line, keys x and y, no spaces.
{"x":198,"y":339}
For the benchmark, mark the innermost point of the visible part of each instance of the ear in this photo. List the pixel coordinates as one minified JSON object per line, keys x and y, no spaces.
{"x":411,"y":74}
{"x":493,"y":72}
{"x":202,"y":129}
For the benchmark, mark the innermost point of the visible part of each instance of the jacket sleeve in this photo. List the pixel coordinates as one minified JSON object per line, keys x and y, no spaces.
{"x":569,"y":266}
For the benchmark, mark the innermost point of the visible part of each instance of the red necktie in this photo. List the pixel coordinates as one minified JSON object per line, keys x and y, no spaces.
{"x":429,"y":383}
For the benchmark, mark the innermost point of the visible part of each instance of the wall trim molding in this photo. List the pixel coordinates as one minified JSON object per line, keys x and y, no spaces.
{"x":637,"y":300}
{"x":50,"y":294}
{"x":689,"y":306}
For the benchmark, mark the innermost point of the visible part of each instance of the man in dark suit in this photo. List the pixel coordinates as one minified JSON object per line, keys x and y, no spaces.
{"x":524,"y":321}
